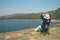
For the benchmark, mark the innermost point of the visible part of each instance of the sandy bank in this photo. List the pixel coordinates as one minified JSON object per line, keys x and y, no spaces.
{"x":55,"y":20}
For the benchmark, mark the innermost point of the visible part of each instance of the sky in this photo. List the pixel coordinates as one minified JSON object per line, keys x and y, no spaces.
{"x":8,"y":7}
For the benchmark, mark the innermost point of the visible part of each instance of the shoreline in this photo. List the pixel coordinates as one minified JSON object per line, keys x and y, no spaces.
{"x":29,"y":34}
{"x":55,"y":20}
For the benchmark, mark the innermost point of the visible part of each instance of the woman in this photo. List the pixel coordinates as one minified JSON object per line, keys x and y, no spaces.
{"x":46,"y":17}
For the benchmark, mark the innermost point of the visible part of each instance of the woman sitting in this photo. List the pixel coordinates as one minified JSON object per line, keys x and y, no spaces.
{"x":46,"y":17}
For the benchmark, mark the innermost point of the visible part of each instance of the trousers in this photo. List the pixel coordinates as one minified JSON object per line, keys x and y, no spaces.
{"x":44,"y":24}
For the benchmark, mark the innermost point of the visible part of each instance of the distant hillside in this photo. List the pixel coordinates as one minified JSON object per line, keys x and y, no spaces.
{"x":55,"y":15}
{"x":22,"y":16}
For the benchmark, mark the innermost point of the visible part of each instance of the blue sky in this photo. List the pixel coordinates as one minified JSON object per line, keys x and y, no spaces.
{"x":8,"y":7}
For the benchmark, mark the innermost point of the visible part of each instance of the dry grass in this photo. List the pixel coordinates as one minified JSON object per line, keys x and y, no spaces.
{"x":29,"y":34}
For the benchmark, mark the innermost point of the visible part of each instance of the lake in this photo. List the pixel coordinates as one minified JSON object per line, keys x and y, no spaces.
{"x":14,"y":25}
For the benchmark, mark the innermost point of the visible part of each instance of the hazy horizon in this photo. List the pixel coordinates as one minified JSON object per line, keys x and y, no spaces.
{"x":8,"y":7}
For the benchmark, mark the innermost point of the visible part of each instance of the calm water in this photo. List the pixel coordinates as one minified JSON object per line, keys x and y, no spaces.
{"x":13,"y":25}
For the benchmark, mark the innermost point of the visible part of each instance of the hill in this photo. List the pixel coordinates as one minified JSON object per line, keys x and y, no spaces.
{"x":55,"y":15}
{"x":29,"y":34}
